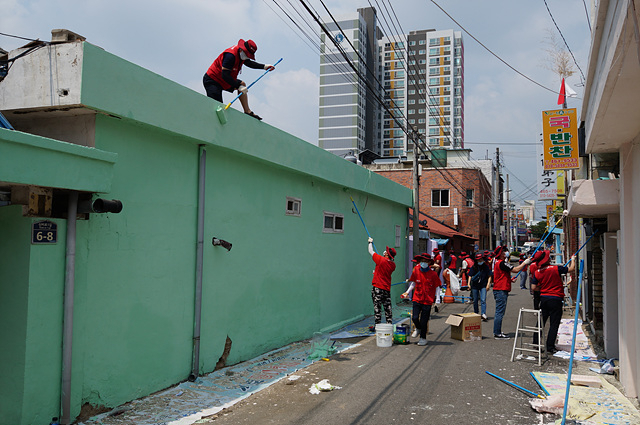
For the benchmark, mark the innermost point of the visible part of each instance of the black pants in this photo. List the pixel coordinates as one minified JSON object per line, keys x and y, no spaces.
{"x":420,"y":317}
{"x":213,"y":89}
{"x":551,"y":309}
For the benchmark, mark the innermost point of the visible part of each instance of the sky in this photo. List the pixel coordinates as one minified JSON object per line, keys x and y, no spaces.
{"x":179,"y":39}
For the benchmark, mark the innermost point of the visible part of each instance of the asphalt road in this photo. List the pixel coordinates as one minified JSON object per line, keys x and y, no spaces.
{"x":442,"y":383}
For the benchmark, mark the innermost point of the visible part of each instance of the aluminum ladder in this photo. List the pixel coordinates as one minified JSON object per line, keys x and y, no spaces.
{"x":525,"y":330}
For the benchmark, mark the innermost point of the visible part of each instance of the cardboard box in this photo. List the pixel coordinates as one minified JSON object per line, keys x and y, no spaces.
{"x":465,"y":326}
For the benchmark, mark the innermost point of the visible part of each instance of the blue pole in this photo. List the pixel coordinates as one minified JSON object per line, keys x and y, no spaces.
{"x":573,"y":344}
{"x":249,"y":86}
{"x":542,"y":241}
{"x":365,"y":226}
{"x":514,"y":385}
{"x":583,"y":245}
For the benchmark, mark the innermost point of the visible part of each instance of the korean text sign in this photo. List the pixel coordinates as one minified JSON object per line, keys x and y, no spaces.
{"x":560,"y":139}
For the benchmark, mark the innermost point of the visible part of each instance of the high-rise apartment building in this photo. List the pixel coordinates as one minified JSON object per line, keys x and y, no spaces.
{"x":422,"y":74}
{"x":347,"y":112}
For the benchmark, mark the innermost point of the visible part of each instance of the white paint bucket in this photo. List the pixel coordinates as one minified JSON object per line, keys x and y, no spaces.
{"x":384,"y":335}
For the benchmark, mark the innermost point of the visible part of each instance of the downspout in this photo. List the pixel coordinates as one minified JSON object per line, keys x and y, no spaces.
{"x":195,"y":367}
{"x":69,"y":283}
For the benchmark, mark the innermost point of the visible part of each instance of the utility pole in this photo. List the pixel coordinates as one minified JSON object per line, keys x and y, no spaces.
{"x":416,"y":198}
{"x":508,"y":214}
{"x":496,"y":191}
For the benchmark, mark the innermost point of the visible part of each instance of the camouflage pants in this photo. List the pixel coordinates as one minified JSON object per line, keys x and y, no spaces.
{"x":381,"y":298}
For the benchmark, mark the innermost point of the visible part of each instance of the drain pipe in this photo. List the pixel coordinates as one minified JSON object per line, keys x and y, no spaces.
{"x":69,"y":283}
{"x":195,"y":367}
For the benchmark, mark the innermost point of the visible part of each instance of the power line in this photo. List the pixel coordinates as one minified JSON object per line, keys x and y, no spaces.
{"x":489,"y":50}
{"x":565,"y":41}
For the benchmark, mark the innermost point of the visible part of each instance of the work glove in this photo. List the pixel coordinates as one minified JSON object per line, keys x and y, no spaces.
{"x":242,"y":89}
{"x":370,"y":240}
{"x":269,"y":67}
{"x":527,"y":261}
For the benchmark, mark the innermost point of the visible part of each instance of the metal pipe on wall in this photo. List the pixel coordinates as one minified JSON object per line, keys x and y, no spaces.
{"x":202,"y":168}
{"x":67,"y":332}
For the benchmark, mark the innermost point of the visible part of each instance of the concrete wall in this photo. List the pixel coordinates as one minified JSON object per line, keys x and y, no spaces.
{"x":31,"y":288}
{"x":135,"y":271}
{"x":629,"y":269}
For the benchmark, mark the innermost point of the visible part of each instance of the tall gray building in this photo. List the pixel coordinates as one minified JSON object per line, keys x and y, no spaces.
{"x":347,"y":112}
{"x":423,"y":78}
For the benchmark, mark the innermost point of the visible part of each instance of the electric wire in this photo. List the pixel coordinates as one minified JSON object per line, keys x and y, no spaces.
{"x":565,"y":41}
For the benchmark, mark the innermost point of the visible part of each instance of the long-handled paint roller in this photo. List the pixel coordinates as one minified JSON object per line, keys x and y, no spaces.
{"x":220,"y":110}
{"x":573,"y":345}
{"x":365,"y":226}
{"x":531,"y":393}
{"x":249,"y":86}
{"x":564,"y":214}
{"x":580,"y":249}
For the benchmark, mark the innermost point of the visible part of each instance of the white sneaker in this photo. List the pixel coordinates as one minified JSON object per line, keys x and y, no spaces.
{"x":415,"y":333}
{"x":484,"y":317}
{"x":422,"y":341}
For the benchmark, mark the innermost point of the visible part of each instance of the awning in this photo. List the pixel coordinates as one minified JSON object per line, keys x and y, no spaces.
{"x":439,"y":230}
{"x":594,"y":198}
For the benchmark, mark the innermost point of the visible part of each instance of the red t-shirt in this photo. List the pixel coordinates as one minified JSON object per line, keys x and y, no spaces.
{"x":426,"y":283}
{"x":501,"y":278}
{"x":382,"y":273}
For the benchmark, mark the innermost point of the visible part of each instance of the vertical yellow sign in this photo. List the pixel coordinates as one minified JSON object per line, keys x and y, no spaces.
{"x":560,"y":139}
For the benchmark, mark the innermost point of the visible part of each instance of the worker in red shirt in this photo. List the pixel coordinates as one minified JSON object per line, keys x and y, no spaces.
{"x":424,"y":281}
{"x":222,"y":75}
{"x":381,"y":290}
{"x":548,"y":279}
{"x":502,"y":286}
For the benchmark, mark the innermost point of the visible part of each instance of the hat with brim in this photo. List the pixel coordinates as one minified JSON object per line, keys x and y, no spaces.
{"x":541,"y":257}
{"x":391,"y":252}
{"x":498,"y":251}
{"x":249,"y":47}
{"x":421,"y":257}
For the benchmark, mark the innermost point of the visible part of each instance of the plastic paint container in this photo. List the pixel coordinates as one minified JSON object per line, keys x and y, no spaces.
{"x":400,"y":334}
{"x":384,"y":334}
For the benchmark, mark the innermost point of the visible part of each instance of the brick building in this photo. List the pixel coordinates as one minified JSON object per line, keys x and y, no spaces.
{"x":458,"y":196}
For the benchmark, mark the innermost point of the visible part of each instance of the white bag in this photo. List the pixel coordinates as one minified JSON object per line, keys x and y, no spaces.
{"x":454,"y":282}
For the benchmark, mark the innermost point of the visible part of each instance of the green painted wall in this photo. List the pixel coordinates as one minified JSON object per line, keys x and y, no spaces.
{"x":283,"y":280}
{"x":31,"y":293}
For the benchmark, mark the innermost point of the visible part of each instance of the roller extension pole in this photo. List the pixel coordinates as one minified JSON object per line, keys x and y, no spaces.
{"x":365,"y":226}
{"x":249,"y":86}
{"x":531,"y":393}
{"x":580,"y":249}
{"x":564,"y":214}
{"x":573,"y":345}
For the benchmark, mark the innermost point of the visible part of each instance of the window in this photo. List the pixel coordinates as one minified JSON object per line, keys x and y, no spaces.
{"x":293,"y":206}
{"x":398,"y":236}
{"x":333,"y":223}
{"x":440,"y":197}
{"x":469,"y":197}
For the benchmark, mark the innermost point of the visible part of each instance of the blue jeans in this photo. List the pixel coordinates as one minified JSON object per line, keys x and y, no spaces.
{"x":523,"y":279}
{"x":482,"y":294}
{"x":501,"y":307}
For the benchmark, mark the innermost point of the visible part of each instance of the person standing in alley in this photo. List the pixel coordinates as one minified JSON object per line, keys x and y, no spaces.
{"x":480,"y":282}
{"x":423,"y":282}
{"x":548,"y":279}
{"x":381,"y":290}
{"x":523,"y":273}
{"x":502,"y":286}
{"x":223,"y":73}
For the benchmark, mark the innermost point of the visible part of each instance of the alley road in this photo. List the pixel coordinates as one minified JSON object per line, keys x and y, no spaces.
{"x":442,"y":383}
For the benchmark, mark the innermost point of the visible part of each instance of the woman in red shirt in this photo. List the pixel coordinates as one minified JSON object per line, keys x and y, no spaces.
{"x":548,"y":280}
{"x":424,"y":281}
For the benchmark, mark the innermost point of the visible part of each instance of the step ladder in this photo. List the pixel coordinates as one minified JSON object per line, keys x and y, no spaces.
{"x":525,"y":330}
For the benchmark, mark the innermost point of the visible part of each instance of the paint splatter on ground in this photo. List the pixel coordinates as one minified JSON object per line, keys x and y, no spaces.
{"x":190,"y":401}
